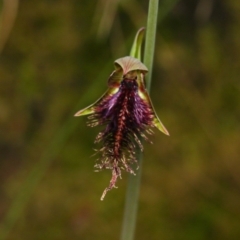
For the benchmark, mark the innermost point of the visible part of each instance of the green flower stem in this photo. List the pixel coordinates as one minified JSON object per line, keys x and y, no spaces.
{"x":131,"y":202}
{"x":150,"y":39}
{"x":132,"y":195}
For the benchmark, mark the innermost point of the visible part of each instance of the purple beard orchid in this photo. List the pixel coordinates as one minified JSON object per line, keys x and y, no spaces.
{"x":127,"y":113}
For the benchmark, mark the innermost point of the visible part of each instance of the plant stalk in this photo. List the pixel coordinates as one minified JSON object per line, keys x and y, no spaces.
{"x":132,"y":194}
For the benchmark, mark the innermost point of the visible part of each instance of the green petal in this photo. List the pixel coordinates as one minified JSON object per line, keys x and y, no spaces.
{"x":143,"y":93}
{"x":91,"y":108}
{"x":156,"y":121}
{"x":137,"y":44}
{"x":113,"y":86}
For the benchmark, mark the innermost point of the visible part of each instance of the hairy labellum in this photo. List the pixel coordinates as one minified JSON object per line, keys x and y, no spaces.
{"x":127,"y":113}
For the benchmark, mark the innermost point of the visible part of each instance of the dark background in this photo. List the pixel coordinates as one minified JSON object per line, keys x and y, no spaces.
{"x":57,"y":60}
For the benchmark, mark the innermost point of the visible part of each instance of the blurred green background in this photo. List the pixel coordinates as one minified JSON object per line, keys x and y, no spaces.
{"x":57,"y":59}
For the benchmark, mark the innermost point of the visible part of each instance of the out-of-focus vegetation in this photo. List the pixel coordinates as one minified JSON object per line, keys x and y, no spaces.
{"x":57,"y":59}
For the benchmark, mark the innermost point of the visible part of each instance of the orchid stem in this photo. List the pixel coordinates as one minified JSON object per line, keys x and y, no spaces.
{"x":150,"y":39}
{"x":132,"y":195}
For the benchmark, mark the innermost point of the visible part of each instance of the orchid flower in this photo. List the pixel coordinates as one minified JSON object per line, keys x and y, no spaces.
{"x":127,"y":114}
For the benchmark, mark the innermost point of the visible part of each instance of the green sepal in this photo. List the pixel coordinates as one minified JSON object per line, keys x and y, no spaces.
{"x":143,"y":94}
{"x":91,"y":108}
{"x":156,"y":121}
{"x":137,"y":44}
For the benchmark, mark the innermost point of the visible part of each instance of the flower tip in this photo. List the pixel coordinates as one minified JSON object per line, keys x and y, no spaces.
{"x":79,"y":113}
{"x":86,"y":111}
{"x":158,"y":124}
{"x":166,"y":132}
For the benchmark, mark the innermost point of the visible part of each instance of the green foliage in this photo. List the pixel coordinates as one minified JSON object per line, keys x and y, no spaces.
{"x":190,"y":181}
